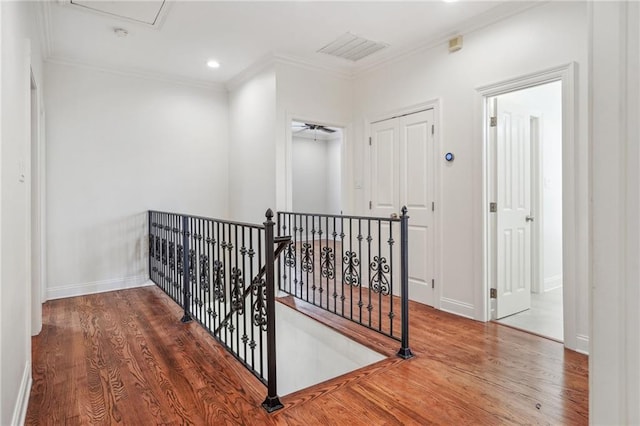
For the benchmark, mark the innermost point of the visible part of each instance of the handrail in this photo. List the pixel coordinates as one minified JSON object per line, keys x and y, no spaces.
{"x":282,"y":243}
{"x":343,"y":216}
{"x":225,"y":221}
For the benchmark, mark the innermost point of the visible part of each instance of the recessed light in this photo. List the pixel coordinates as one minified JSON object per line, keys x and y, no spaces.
{"x":213,"y":64}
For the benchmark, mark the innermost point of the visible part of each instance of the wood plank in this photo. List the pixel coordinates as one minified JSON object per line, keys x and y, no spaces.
{"x":125,"y":358}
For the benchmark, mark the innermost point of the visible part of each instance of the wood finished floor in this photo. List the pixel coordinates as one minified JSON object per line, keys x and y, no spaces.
{"x":124,"y":358}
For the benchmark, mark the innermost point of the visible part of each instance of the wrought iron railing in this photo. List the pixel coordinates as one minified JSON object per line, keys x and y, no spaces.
{"x":350,"y":266}
{"x":222,"y":274}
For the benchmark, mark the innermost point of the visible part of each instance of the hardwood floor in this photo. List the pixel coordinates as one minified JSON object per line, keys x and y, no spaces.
{"x":124,"y":358}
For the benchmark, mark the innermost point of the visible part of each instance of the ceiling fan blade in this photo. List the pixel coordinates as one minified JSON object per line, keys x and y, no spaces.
{"x":325,"y":129}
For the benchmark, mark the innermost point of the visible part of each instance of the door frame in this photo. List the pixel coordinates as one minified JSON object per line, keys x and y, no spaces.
{"x":567,"y":75}
{"x":345,"y":158}
{"x":437,"y":185}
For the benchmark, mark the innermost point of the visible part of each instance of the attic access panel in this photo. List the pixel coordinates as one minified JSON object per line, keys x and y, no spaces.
{"x":144,"y":12}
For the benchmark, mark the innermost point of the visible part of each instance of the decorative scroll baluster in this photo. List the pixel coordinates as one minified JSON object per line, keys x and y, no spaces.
{"x":307,"y":257}
{"x":327,"y":265}
{"x":260,"y":304}
{"x":204,"y":272}
{"x":237,"y":291}
{"x":379,"y":282}
{"x":350,"y":273}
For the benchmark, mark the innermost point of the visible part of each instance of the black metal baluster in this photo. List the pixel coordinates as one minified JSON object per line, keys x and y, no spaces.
{"x":252,"y":342}
{"x":291,"y":273}
{"x":360,"y":302}
{"x":261,"y":259}
{"x":380,"y":292}
{"x":391,"y":298}
{"x":404,"y":351}
{"x":220,"y":277}
{"x":369,"y":239}
{"x":247,"y":313}
{"x":185,"y":263}
{"x":241,"y":289}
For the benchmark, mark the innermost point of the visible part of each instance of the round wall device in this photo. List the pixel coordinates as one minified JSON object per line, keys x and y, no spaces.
{"x":449,"y":156}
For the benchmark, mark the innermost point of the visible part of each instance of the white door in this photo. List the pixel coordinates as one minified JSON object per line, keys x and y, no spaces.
{"x":402,"y":156}
{"x":513,"y":239}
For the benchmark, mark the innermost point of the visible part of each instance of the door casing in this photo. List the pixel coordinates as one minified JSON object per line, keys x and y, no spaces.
{"x":567,"y":75}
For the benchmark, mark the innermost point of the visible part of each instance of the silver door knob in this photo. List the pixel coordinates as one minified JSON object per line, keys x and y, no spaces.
{"x":529,"y":218}
{"x":394,"y":215}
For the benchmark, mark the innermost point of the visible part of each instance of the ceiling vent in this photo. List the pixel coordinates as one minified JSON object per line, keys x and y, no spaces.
{"x":151,"y":12}
{"x":350,"y":46}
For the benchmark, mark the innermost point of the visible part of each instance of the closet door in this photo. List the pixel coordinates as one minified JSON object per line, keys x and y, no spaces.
{"x":402,"y":164}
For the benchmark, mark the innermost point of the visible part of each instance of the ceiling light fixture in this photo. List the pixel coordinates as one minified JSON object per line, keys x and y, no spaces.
{"x":213,"y":64}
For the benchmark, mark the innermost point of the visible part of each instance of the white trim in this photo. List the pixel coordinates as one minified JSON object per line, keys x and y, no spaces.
{"x":582,"y":344}
{"x":130,"y":72}
{"x":43,"y":16}
{"x":73,"y":290}
{"x":20,"y":408}
{"x":567,"y":74}
{"x":345,"y":179}
{"x":462,"y":309}
{"x":287,"y":59}
{"x":553,"y":282}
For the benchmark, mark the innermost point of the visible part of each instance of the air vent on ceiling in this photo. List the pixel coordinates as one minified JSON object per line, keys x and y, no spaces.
{"x":350,"y":46}
{"x":150,"y":12}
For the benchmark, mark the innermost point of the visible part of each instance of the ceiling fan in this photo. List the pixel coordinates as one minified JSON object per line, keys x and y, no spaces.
{"x":300,"y":127}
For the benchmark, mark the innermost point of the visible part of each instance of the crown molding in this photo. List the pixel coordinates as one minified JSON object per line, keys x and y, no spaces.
{"x":43,"y":18}
{"x":166,"y":78}
{"x":295,"y":61}
{"x":475,"y":23}
{"x":251,"y":71}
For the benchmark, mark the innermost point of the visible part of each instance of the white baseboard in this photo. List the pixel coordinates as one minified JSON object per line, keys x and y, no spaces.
{"x":551,"y":283}
{"x":82,"y":289}
{"x":456,"y":307}
{"x":582,"y":344}
{"x":20,"y":408}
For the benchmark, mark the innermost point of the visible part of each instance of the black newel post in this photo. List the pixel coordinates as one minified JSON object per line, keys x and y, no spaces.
{"x":272,"y":402}
{"x":404,"y":351}
{"x":149,"y":243}
{"x":186,"y":273}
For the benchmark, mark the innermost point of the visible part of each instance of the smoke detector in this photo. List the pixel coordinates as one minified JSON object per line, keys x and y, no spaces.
{"x":120,"y":32}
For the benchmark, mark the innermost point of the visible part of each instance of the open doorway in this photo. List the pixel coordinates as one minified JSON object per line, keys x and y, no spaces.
{"x":525,"y":178}
{"x":316,"y":168}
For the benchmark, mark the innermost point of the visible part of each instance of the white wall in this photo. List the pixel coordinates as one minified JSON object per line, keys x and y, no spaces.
{"x":546,"y":102}
{"x":543,"y":37}
{"x":252,"y":112}
{"x":117,"y":147}
{"x":316,"y":175}
{"x":18,"y":31}
{"x":614,"y":104}
{"x":317,"y":97}
{"x":309,"y":175}
{"x":334,"y":176}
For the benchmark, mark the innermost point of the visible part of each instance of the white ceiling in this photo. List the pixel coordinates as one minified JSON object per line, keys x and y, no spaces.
{"x":239,"y":34}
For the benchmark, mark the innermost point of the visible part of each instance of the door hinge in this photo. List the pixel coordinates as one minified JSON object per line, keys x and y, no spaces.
{"x":433,"y":283}
{"x":370,"y":205}
{"x":493,"y":293}
{"x":493,"y":207}
{"x":369,"y":140}
{"x":493,"y":121}
{"x":433,"y":206}
{"x":433,"y":129}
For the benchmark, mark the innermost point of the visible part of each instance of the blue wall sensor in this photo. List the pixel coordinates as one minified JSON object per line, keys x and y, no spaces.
{"x":449,"y":156}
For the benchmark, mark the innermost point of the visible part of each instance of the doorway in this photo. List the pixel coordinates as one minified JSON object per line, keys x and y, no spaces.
{"x":526,"y":227}
{"x":316,"y":167}
{"x":36,"y":204}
